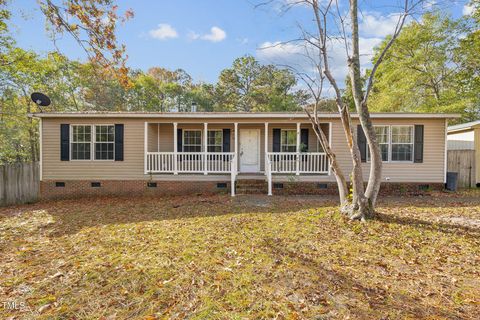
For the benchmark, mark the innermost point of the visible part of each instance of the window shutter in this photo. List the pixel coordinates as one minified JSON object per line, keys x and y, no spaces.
{"x":179,"y":140}
{"x":362,"y":143}
{"x":304,"y":139}
{"x":226,"y":140}
{"x":118,"y":142}
{"x":64,"y":142}
{"x":276,"y":140}
{"x":418,"y":146}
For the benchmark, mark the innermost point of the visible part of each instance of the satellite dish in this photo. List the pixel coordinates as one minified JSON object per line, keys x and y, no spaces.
{"x":40,"y":99}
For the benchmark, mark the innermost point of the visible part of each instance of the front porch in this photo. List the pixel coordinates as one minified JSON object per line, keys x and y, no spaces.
{"x":268,"y":149}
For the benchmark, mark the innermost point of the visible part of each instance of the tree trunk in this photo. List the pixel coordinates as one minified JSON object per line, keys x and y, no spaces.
{"x":374,"y":181}
{"x":358,"y":207}
{"x":335,"y":166}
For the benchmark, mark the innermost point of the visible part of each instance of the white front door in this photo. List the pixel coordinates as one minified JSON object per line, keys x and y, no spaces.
{"x":249,"y":150}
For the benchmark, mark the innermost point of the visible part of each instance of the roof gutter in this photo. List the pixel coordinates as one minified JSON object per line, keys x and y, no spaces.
{"x":235,"y":115}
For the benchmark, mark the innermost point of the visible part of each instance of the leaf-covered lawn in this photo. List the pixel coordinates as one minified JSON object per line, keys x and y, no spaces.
{"x":249,"y":257}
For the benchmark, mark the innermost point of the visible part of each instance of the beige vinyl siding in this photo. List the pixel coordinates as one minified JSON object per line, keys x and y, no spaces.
{"x":130,"y":168}
{"x":153,"y":138}
{"x":431,"y":170}
{"x":433,"y":166}
{"x":166,"y":137}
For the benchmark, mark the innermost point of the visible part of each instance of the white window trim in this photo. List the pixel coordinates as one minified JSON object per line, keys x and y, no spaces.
{"x":71,"y":141}
{"x":412,"y":143}
{"x":281,"y":140}
{"x":183,"y":140}
{"x":95,"y":141}
{"x":214,"y":145}
{"x":390,"y":143}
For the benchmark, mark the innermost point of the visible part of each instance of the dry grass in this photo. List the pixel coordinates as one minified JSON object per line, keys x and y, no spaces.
{"x":242,"y":258}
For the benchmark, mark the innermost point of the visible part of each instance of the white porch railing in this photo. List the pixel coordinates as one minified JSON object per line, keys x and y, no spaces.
{"x":289,"y":162}
{"x":190,"y":162}
{"x":305,"y":162}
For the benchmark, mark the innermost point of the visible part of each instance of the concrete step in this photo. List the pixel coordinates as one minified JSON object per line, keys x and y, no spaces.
{"x":251,"y":192}
{"x":251,"y":185}
{"x":251,"y":182}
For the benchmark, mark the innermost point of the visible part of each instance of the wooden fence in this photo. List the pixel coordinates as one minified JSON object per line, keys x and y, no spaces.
{"x":462,"y":162}
{"x":19,"y":183}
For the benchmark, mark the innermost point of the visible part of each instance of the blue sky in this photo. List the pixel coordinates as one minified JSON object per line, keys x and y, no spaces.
{"x":178,"y":33}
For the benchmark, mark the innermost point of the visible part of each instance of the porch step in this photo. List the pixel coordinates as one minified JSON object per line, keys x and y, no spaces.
{"x":251,"y":186}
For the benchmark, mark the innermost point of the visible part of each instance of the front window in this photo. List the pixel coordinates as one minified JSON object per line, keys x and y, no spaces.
{"x":192,"y":141}
{"x":402,"y":143}
{"x":288,"y":141}
{"x":383,"y":139}
{"x":81,"y":142}
{"x":104,"y":142}
{"x":215,"y":141}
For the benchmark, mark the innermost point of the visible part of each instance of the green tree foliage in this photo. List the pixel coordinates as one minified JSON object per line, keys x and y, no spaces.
{"x":251,"y":86}
{"x":426,"y":69}
{"x":26,"y":72}
{"x":467,"y":58}
{"x":6,"y":41}
{"x":75,"y":86}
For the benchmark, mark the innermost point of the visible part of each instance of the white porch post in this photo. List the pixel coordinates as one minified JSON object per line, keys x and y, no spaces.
{"x":268,"y":171}
{"x":175,"y":144}
{"x":266,"y":147}
{"x":233,"y":165}
{"x":145,"y":147}
{"x":330,"y":145}
{"x":235,"y":143}
{"x":158,"y":137}
{"x":205,"y":147}
{"x":298,"y":149}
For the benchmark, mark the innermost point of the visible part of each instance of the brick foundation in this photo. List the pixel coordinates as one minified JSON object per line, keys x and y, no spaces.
{"x":299,"y":188}
{"x":330,"y":188}
{"x":410,"y":188}
{"x":83,"y":188}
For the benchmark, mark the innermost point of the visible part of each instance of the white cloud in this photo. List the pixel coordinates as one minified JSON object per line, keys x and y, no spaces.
{"x":467,"y":10}
{"x":216,"y":35}
{"x":294,"y":55}
{"x":164,"y":31}
{"x":277,"y":51}
{"x":376,"y":25}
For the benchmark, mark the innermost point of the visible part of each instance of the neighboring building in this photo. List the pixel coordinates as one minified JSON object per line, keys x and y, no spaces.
{"x":133,"y":152}
{"x":466,"y":136}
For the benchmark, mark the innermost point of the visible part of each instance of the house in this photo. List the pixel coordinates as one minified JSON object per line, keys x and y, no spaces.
{"x":90,"y":153}
{"x":463,"y":137}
